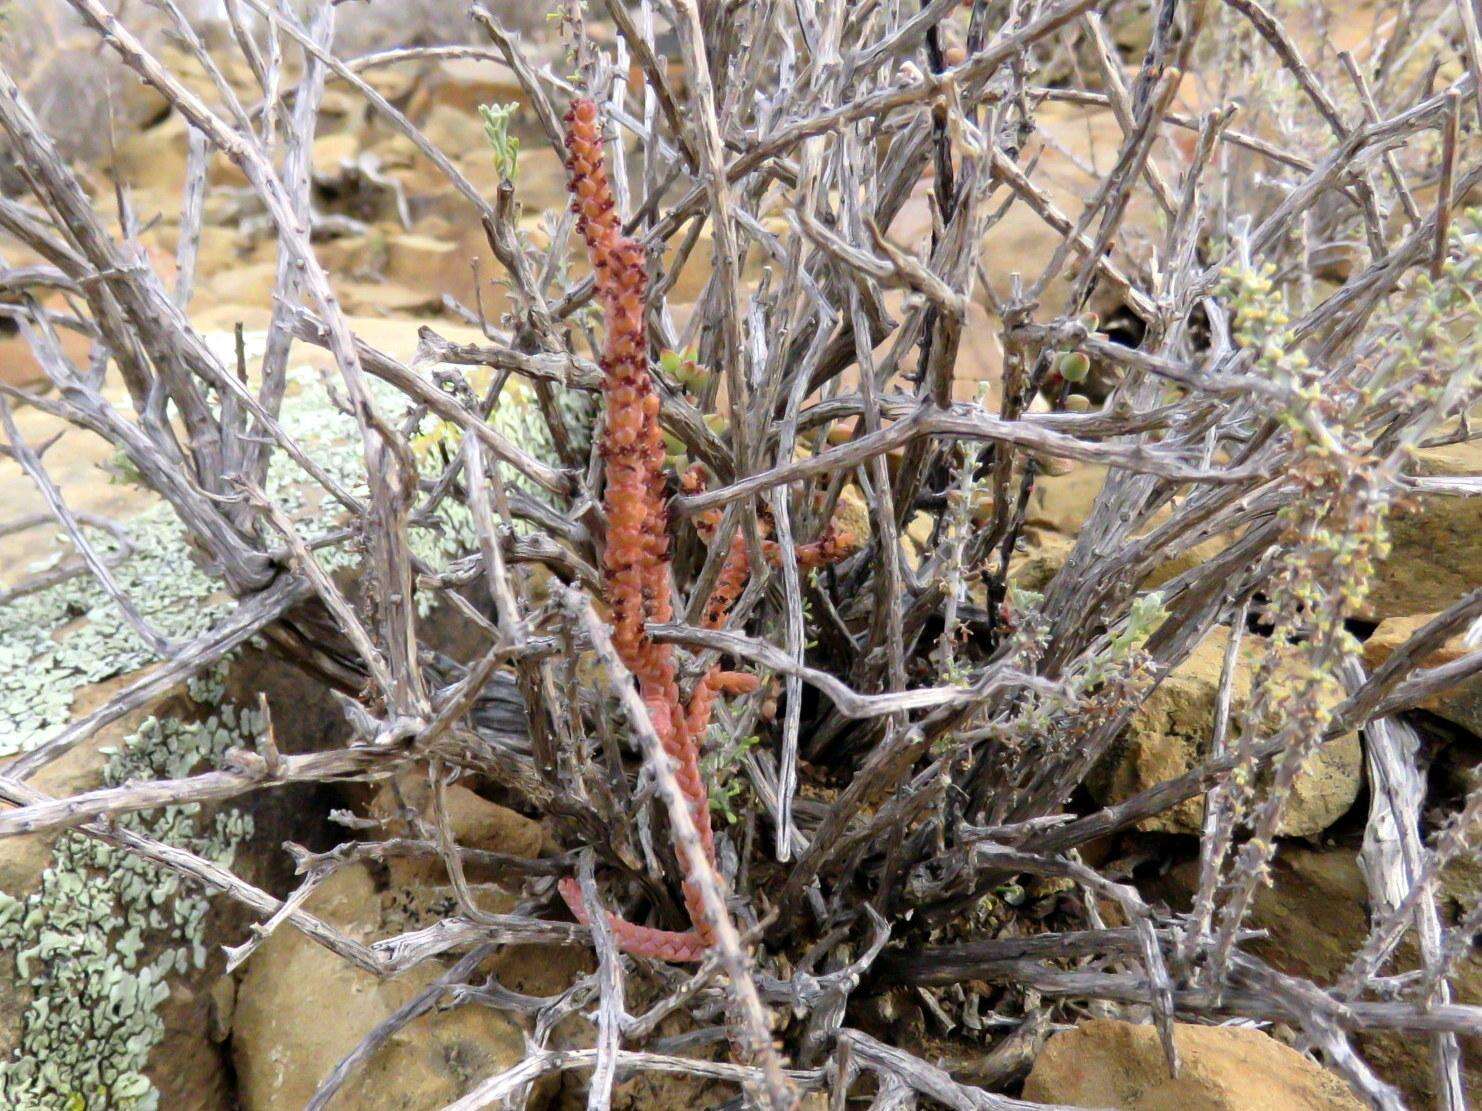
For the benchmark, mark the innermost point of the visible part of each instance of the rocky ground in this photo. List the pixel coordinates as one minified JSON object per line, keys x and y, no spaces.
{"x":113,"y":978}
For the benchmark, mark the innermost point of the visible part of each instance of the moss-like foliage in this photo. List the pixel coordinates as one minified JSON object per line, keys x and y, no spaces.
{"x":97,"y":940}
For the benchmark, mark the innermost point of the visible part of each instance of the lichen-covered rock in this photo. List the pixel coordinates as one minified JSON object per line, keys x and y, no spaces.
{"x":300,"y":1009}
{"x":106,"y":951}
{"x":1106,"y":1063}
{"x":90,"y":921}
{"x":99,"y":933}
{"x":1435,"y":556}
{"x":1170,"y":734}
{"x":1461,"y":704}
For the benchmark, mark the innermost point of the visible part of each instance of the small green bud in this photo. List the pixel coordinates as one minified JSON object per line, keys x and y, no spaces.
{"x":671,"y":363}
{"x":1074,"y":366}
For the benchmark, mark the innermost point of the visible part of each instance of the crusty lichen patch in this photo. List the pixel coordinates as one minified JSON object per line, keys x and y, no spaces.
{"x":97,"y":940}
{"x":58,"y":640}
{"x":100,"y":936}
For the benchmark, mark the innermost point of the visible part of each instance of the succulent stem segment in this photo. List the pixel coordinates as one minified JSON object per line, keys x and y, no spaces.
{"x":637,"y":572}
{"x":638,"y":576}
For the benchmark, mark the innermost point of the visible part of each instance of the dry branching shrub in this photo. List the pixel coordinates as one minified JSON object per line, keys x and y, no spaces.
{"x":780,"y":593}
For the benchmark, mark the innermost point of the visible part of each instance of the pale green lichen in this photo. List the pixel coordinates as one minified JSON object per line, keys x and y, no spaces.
{"x":97,"y":940}
{"x":517,"y":417}
{"x":56,"y":641}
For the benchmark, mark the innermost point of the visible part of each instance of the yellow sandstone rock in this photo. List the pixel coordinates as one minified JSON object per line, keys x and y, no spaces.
{"x":1106,"y":1063}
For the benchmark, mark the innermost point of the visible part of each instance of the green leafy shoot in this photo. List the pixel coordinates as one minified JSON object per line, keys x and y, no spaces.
{"x":721,"y":769}
{"x":506,"y":147}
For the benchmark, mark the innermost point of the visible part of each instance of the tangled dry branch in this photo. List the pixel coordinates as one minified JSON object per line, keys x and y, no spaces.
{"x":838,"y":392}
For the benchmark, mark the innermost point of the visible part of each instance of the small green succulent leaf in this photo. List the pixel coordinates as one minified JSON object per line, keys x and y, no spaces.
{"x":1074,"y":366}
